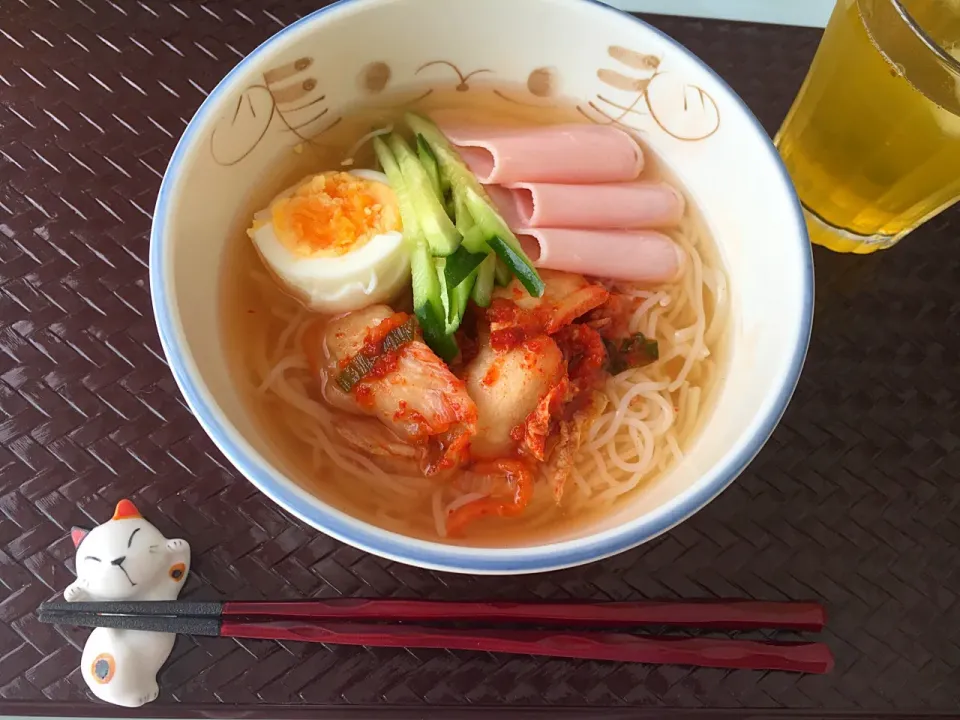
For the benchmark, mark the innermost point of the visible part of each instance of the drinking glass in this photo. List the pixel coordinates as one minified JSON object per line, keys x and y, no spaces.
{"x":872,"y":141}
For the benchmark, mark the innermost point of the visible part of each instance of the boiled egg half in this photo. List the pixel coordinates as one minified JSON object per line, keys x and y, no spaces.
{"x":334,"y":241}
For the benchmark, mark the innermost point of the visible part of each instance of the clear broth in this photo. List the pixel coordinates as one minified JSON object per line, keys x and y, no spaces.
{"x":244,"y":309}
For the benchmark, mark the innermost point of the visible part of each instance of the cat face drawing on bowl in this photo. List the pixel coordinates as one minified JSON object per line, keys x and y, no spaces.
{"x":374,"y":78}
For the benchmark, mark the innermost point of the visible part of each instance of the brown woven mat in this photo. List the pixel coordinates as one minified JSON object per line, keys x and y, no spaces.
{"x":854,"y":501}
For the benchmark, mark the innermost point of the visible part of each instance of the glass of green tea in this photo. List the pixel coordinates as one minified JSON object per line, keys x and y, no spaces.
{"x":872,"y":141}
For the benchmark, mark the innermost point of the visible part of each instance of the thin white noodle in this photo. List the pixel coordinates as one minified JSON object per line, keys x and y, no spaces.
{"x":693,"y":407}
{"x":640,"y":314}
{"x":666,"y":327}
{"x":288,"y":363}
{"x":348,"y":160}
{"x":601,"y":466}
{"x":301,"y":333}
{"x":289,"y":331}
{"x":720,"y":308}
{"x":464,"y":500}
{"x":666,"y":414}
{"x":643,"y":444}
{"x":580,"y":481}
{"x":301,"y":403}
{"x":651,"y":329}
{"x":696,"y":294}
{"x":674,"y":448}
{"x":623,"y":408}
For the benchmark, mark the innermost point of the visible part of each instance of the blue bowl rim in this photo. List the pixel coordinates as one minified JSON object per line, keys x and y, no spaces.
{"x":433,"y":555}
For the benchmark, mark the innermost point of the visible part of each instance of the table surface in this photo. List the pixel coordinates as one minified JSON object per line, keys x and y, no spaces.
{"x":852,"y":502}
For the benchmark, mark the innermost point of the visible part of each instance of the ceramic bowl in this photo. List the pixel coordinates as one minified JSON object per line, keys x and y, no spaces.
{"x":308,"y":73}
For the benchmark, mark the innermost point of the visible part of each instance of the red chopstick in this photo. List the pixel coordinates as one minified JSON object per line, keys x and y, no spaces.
{"x":726,"y":614}
{"x":618,"y":647}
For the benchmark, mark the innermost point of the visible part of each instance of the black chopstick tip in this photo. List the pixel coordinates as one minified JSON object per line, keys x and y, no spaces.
{"x":148,"y":623}
{"x":150,"y":608}
{"x":55,"y":606}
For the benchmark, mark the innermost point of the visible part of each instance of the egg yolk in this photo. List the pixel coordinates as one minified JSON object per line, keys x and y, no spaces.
{"x":334,"y":213}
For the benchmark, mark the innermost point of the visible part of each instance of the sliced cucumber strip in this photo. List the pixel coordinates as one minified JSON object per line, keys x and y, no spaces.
{"x":502,"y":273}
{"x":451,"y":165}
{"x":459,"y":265}
{"x":519,"y":265}
{"x":435,"y":225}
{"x":428,"y":303}
{"x":408,"y":213}
{"x":482,"y":292}
{"x":461,"y":212}
{"x":430,"y":164}
{"x":461,"y":296}
{"x":454,"y":298}
{"x":507,"y":247}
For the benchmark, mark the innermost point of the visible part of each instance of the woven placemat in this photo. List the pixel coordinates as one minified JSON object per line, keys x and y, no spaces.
{"x":852,"y":502}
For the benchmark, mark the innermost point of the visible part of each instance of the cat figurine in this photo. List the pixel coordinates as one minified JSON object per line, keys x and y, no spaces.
{"x":126,"y":558}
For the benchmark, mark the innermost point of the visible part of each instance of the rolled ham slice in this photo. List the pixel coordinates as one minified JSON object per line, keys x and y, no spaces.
{"x":550,"y":154}
{"x":634,"y":255}
{"x":598,"y":206}
{"x":506,"y":203}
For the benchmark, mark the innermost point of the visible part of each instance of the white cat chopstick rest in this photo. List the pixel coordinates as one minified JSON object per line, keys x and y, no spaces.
{"x":126,"y":558}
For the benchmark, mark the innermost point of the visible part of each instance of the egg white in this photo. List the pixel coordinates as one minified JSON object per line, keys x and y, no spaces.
{"x":376,"y":272}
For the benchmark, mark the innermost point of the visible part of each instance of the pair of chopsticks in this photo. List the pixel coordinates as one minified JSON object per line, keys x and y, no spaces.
{"x":347,"y":621}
